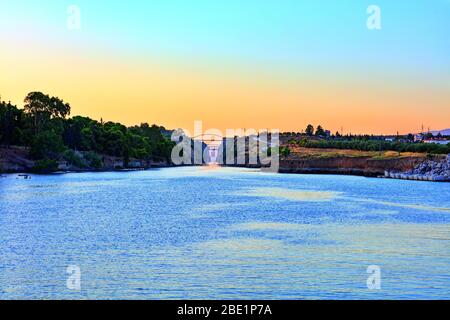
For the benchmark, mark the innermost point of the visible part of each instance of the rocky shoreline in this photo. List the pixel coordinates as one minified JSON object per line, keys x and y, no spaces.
{"x":436,"y":168}
{"x":16,"y":160}
{"x":429,"y":170}
{"x":360,"y":166}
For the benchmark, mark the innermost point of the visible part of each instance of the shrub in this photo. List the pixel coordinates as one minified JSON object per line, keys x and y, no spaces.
{"x":45,"y":166}
{"x":46,"y":145}
{"x":377,"y":145}
{"x":93,"y":159}
{"x":285,"y":151}
{"x":73,"y":158}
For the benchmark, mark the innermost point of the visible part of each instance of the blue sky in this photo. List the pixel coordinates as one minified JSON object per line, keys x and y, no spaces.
{"x":287,"y":31}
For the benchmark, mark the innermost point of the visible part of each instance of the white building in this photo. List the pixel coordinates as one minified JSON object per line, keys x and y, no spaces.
{"x":418,"y":137}
{"x":440,"y":141}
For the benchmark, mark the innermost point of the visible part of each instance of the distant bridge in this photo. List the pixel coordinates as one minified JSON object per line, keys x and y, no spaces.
{"x":212,"y":140}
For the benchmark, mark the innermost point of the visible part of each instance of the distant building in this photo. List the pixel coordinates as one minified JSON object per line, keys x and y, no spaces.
{"x":135,"y":164}
{"x":418,"y":137}
{"x":118,"y":164}
{"x":63,"y":165}
{"x":437,"y":141}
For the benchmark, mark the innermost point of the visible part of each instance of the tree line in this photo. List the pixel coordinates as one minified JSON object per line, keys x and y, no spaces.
{"x":364,"y":142}
{"x":43,"y":125}
{"x":376,"y":145}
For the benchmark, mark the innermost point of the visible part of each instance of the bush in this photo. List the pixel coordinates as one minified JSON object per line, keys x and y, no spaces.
{"x":93,"y":160}
{"x":285,"y":151}
{"x":45,"y":166}
{"x":73,"y":158}
{"x":46,"y":145}
{"x":377,"y":145}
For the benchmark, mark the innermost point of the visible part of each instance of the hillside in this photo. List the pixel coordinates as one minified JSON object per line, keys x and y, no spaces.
{"x":445,"y":132}
{"x":335,"y":161}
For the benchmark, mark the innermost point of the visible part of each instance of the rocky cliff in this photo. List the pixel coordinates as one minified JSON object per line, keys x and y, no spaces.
{"x":16,"y":159}
{"x":366,"y":166}
{"x":429,"y":170}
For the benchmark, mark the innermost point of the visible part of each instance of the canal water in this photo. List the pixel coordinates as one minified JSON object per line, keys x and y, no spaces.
{"x":222,"y":233}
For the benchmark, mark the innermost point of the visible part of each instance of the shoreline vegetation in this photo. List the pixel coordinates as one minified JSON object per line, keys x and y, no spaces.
{"x":388,"y":161}
{"x":369,"y":156}
{"x":41,"y":138}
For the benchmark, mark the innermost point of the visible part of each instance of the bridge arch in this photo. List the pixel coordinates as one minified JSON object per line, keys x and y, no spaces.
{"x":209,"y":138}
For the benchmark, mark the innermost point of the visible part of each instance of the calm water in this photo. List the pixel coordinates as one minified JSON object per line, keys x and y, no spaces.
{"x":223,"y":233}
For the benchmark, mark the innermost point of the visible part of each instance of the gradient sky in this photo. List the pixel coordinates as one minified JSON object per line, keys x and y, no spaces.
{"x":235,"y":64}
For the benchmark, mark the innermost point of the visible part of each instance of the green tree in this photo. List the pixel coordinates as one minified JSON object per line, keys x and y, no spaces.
{"x":285,"y":151}
{"x":36,"y":105}
{"x":320,"y":132}
{"x":309,"y":130}
{"x":47,"y":145}
{"x":10,"y":122}
{"x":44,"y":126}
{"x":42,"y":108}
{"x":58,"y":108}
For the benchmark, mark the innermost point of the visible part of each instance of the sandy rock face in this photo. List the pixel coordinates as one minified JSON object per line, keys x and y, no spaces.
{"x":366,"y":166}
{"x":433,"y":170}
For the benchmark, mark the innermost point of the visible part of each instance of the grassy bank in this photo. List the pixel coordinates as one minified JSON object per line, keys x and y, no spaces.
{"x":297,"y":152}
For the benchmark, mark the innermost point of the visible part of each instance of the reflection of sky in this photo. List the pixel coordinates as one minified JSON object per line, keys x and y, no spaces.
{"x":294,"y":195}
{"x":194,"y":233}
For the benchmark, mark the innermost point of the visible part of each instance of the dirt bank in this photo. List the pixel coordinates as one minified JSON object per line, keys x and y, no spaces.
{"x":333,"y":161}
{"x":348,"y":165}
{"x":15,"y":159}
{"x":351,"y":162}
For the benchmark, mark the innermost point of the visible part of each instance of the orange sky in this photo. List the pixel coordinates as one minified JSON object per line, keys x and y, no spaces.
{"x":106,"y":82}
{"x":175,"y":95}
